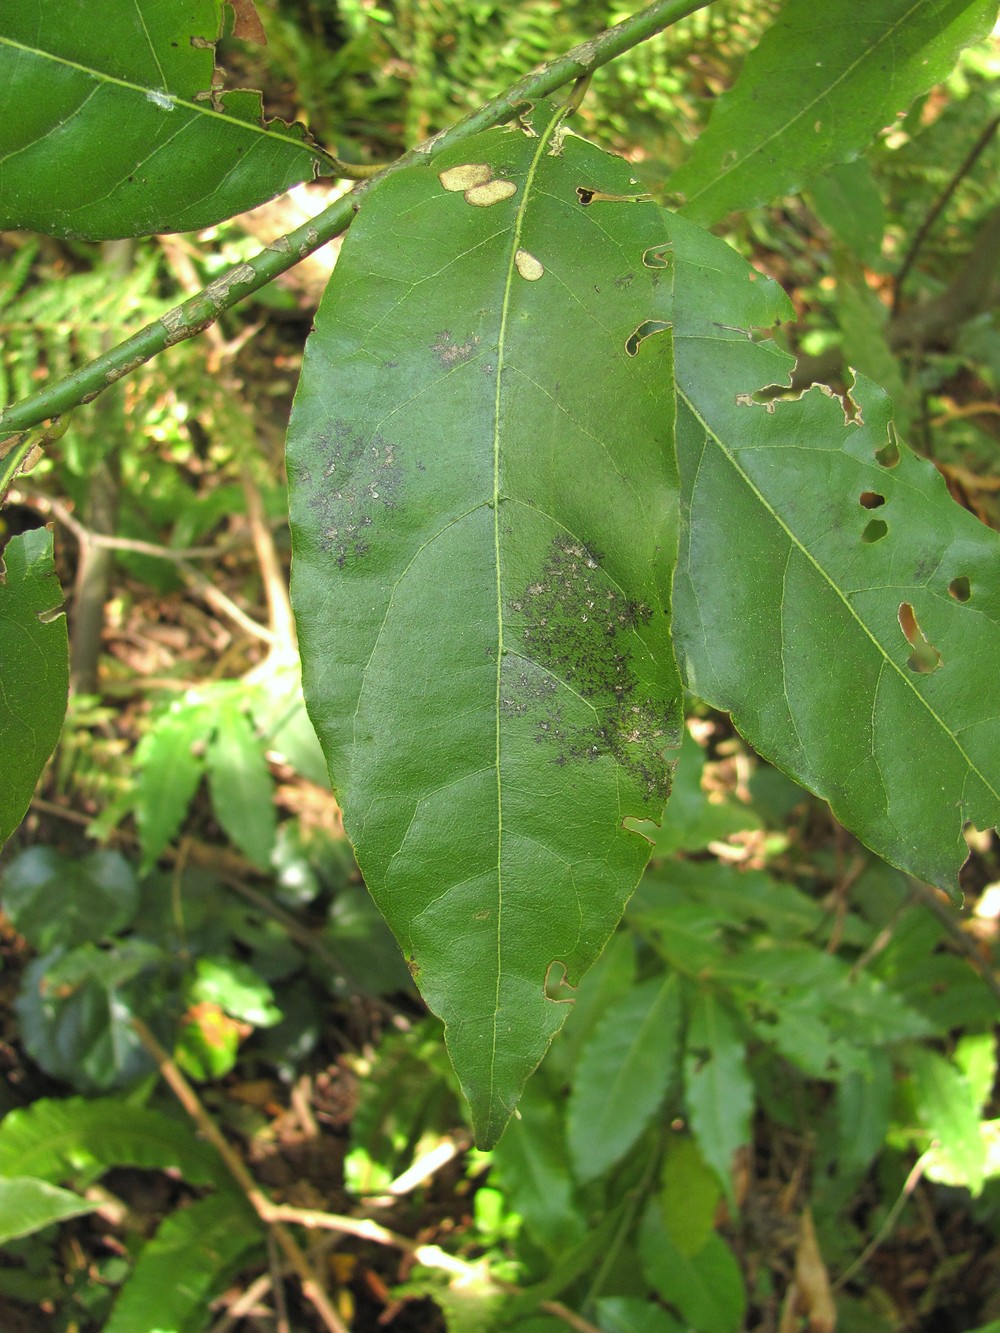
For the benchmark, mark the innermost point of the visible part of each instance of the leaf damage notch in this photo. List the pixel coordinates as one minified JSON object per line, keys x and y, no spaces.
{"x":645,"y":330}
{"x":587,"y":196}
{"x":925,"y":658}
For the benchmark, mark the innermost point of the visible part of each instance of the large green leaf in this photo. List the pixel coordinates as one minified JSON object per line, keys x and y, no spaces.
{"x":184,"y":1265}
{"x":818,"y":88}
{"x":623,"y":1074}
{"x":34,"y":670}
{"x":829,"y":593}
{"x":109,"y":124}
{"x":483,"y":511}
{"x":27,"y":1205}
{"x":717,"y":1087}
{"x":79,"y":1139}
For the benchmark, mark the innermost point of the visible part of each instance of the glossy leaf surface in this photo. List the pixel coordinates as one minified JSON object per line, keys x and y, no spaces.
{"x":34,"y":670}
{"x":109,"y":124}
{"x":829,"y":593}
{"x":483,"y":513}
{"x":789,"y":115}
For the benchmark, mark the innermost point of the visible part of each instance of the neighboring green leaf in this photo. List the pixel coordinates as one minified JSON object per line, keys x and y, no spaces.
{"x":241,"y":786}
{"x":186,"y":1263}
{"x":829,"y":592}
{"x":848,"y":201}
{"x":34,"y":669}
{"x":630,"y":1314}
{"x":76,"y":1008}
{"x":607,"y":981}
{"x":169,"y":772}
{"x":976,"y":1057}
{"x":623,"y":1074}
{"x":53,"y":900}
{"x":717,"y":1088}
{"x":817,"y":91}
{"x":532,"y":1165}
{"x":483,"y":517}
{"x":689,"y":1195}
{"x":948,"y":1111}
{"x":27,"y":1205}
{"x":112,"y":128}
{"x":237,"y":989}
{"x":864,"y":1098}
{"x":78,"y":1139}
{"x":208,"y":1043}
{"x":705,"y":1288}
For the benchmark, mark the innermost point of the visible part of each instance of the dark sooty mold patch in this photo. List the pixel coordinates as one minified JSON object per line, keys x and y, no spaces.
{"x":358,"y":476}
{"x":578,"y":628}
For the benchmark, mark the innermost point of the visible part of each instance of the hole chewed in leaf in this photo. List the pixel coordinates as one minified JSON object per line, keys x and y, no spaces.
{"x":588,"y":196}
{"x":925,"y":658}
{"x":888,"y":455}
{"x":875,"y":531}
{"x":557,"y":987}
{"x":645,"y":330}
{"x":657,"y":256}
{"x":960,"y":589}
{"x":871,"y":500}
{"x":528,"y":266}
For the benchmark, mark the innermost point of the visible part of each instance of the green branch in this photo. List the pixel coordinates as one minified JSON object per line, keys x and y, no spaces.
{"x":196,"y":314}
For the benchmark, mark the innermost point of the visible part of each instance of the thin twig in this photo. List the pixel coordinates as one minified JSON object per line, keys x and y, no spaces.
{"x":261,"y":1205}
{"x":953,"y":927}
{"x":85,"y":536}
{"x":430,"y":1256}
{"x":938,"y":208}
{"x":201,"y":311}
{"x":909,"y":1185}
{"x":243,"y":1304}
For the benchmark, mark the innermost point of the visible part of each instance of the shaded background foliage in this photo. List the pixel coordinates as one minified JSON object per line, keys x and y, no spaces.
{"x":801,"y":1039}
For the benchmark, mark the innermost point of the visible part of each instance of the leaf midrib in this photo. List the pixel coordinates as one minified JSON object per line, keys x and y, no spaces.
{"x":541,"y":148}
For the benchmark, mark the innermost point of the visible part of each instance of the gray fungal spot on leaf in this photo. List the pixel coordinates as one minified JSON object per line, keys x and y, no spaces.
{"x":360,"y":478}
{"x":528,"y":266}
{"x":925,"y":658}
{"x":645,"y":330}
{"x":450,"y":352}
{"x":492,"y":192}
{"x":460,"y":179}
{"x":578,"y":628}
